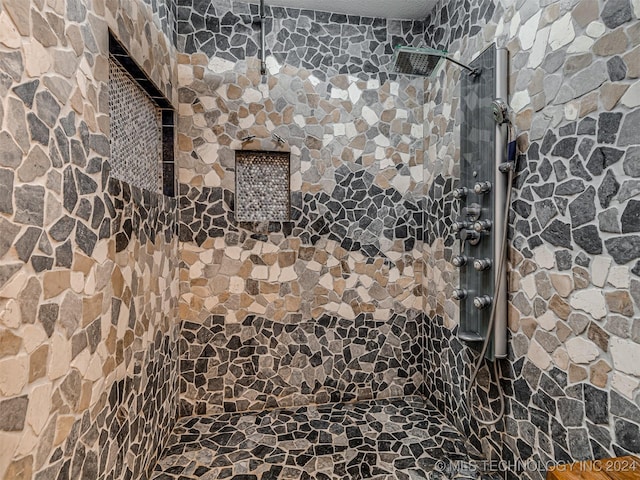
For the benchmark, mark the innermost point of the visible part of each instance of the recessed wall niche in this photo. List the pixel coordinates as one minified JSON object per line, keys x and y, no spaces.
{"x":263,"y":186}
{"x":141,"y":126}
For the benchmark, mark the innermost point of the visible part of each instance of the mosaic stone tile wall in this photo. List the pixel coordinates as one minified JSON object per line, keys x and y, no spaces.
{"x":327,"y":44}
{"x":349,"y":253}
{"x":261,"y":363}
{"x":572,"y":377}
{"x":165,"y":14}
{"x":88,"y":265}
{"x":135,"y":132}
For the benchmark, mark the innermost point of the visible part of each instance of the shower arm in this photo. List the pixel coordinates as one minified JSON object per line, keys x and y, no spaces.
{"x":263,"y":63}
{"x":472,"y":71}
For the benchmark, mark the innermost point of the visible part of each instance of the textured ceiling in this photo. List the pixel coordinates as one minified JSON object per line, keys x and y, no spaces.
{"x":404,"y":9}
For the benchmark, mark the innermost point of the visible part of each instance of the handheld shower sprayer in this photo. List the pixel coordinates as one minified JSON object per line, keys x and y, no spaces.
{"x":503,"y":115}
{"x":501,"y":111}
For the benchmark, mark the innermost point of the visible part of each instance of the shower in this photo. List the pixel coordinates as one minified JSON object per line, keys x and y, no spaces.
{"x":487,"y":170}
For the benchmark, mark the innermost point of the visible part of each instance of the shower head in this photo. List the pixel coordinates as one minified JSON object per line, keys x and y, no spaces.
{"x":422,"y":61}
{"x":501,"y":111}
{"x":417,"y":61}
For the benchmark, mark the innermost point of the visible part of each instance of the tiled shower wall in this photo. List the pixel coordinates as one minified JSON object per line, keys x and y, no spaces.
{"x":324,"y":307}
{"x":572,"y":374}
{"x":88,"y":330}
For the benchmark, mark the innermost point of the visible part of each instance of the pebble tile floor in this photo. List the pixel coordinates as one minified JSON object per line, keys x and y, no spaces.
{"x":379,"y":439}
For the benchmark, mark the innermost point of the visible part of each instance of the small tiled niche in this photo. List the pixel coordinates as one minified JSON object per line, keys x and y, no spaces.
{"x":141,"y":126}
{"x":263,"y":186}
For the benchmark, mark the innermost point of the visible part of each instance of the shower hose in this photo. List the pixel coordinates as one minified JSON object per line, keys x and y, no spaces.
{"x":502,"y":264}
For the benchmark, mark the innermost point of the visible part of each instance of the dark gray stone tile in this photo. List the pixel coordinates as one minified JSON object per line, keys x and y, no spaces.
{"x":6,"y":190}
{"x":631,"y":162}
{"x":608,"y":221}
{"x":608,"y":189}
{"x":10,"y":153}
{"x":602,"y":158}
{"x":8,"y":233}
{"x":616,"y":13}
{"x":29,"y":205}
{"x":47,"y":108}
{"x":629,"y":131}
{"x":13,"y":412}
{"x":38,"y":130}
{"x":624,"y":249}
{"x":627,"y":435}
{"x":608,"y":126}
{"x":61,"y":230}
{"x":558,"y":233}
{"x":26,"y":92}
{"x":85,"y":238}
{"x":7,"y":271}
{"x":588,"y":238}
{"x":583,"y":208}
{"x":27,"y":242}
{"x":631,"y":217}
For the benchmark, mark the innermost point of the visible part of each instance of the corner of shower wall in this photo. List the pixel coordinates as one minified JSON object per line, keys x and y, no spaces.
{"x":88,"y":263}
{"x":270,"y":296}
{"x":565,"y":243}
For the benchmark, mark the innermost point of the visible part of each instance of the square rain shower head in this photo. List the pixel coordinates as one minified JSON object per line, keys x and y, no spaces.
{"x":421,"y":62}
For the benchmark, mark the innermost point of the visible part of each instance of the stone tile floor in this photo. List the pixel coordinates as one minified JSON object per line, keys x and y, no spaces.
{"x":377,"y":439}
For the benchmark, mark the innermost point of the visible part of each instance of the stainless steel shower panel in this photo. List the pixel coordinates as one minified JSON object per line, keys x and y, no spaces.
{"x":500,"y":219}
{"x":481,"y":198}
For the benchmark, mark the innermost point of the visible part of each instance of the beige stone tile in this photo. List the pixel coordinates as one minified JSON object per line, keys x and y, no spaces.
{"x":611,"y":93}
{"x":9,"y":35}
{"x":624,"y":384}
{"x":33,"y":336}
{"x":39,"y":407}
{"x":581,"y":351}
{"x":38,"y":363}
{"x":620,"y":301}
{"x":14,"y":374}
{"x":599,"y":373}
{"x":577,"y":373}
{"x":60,"y":358}
{"x":91,"y":308}
{"x":20,"y":15}
{"x":538,"y":356}
{"x":38,"y":60}
{"x":10,"y":343}
{"x":63,"y":428}
{"x":20,"y":469}
{"x":56,"y":282}
{"x":612,"y":43}
{"x":9,"y":443}
{"x":563,"y":284}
